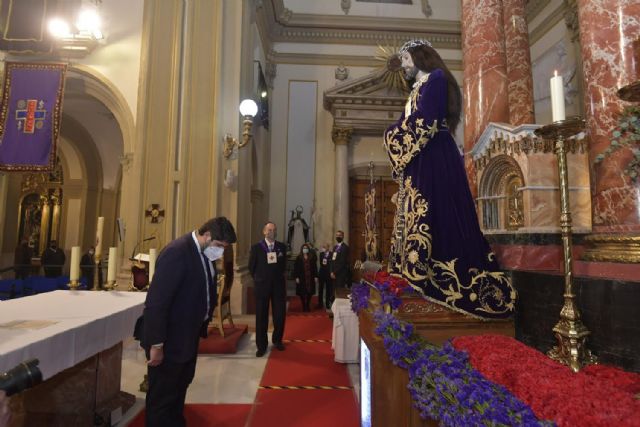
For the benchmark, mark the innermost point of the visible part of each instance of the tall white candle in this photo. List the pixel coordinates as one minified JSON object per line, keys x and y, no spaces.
{"x":557,"y":97}
{"x":99,"y":229}
{"x":113,"y":260}
{"x":74,"y":273}
{"x":153,"y":254}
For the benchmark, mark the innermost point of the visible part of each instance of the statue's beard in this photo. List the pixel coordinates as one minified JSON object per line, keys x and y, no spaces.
{"x":410,"y":73}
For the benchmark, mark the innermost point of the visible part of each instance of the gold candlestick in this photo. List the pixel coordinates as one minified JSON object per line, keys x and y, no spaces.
{"x":570,"y":331}
{"x":74,"y":284}
{"x":96,"y":274}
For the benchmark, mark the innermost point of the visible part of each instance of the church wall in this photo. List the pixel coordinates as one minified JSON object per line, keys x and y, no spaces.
{"x":364,"y":149}
{"x":325,"y":151}
{"x":118,"y":56}
{"x":553,"y":50}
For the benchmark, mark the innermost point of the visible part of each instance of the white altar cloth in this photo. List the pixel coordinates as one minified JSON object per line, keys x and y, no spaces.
{"x":63,"y":328}
{"x":346,"y":334}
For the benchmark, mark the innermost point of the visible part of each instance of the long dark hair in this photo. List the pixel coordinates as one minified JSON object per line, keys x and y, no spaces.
{"x":426,"y":58}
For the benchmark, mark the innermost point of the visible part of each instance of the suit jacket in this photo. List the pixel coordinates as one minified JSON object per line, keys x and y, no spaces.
{"x":340,"y":265}
{"x":268,"y":277}
{"x":176,"y":304}
{"x":323,"y":272}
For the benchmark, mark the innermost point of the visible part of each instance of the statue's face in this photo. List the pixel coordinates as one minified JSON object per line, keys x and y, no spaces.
{"x":409,"y":68}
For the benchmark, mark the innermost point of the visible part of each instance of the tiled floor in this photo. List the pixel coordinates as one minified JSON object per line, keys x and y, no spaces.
{"x":230,"y":378}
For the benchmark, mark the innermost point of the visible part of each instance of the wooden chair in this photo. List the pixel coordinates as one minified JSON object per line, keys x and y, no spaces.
{"x":225,"y":282}
{"x":139,"y":276}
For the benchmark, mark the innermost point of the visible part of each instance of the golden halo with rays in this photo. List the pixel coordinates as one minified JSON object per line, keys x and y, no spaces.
{"x":393,"y":75}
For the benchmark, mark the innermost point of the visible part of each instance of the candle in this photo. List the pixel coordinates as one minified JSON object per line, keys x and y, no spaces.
{"x":74,"y":273}
{"x":99,"y":237}
{"x":152,"y":263}
{"x":111,"y":270}
{"x":557,"y":97}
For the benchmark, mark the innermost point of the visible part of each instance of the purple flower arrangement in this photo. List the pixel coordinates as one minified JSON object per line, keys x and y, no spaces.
{"x":359,"y":297}
{"x":443,"y":384}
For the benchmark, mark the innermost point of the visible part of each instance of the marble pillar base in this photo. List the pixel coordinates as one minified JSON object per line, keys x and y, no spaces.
{"x":78,"y":396}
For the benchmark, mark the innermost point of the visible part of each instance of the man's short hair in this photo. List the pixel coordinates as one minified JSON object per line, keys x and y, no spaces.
{"x":220,"y":229}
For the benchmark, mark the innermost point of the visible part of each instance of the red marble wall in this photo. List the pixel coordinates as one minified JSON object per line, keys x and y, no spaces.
{"x":485,"y":73}
{"x":607,"y":31}
{"x":519,"y":76}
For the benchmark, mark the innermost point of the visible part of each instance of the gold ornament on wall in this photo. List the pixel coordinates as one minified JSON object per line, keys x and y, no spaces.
{"x":155,"y":213}
{"x":393,"y":76}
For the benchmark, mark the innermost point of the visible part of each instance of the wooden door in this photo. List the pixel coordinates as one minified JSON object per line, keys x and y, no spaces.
{"x":384,"y":213}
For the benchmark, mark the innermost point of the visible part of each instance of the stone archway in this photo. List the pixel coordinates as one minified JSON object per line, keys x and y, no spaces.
{"x":500,"y":196}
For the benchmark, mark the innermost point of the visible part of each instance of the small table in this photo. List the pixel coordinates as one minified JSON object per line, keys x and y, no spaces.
{"x":345,"y":339}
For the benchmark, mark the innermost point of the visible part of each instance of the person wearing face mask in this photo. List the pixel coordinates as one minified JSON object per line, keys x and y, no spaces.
{"x":325,"y":289}
{"x":267,"y":263}
{"x":53,"y":259}
{"x":88,"y":267}
{"x":178,"y":308}
{"x":305,"y":271}
{"x":339,"y":264}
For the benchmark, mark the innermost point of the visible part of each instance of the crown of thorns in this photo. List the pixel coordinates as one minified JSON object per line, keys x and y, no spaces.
{"x":413,"y":43}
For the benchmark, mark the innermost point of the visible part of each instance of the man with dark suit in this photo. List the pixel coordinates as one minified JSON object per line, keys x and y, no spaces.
{"x":339,"y":266}
{"x":177,"y":310}
{"x":53,"y":259}
{"x":267,"y":262}
{"x":325,"y":292}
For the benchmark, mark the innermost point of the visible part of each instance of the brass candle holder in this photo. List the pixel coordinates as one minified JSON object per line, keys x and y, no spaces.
{"x":570,"y":331}
{"x":74,"y":284}
{"x":96,"y":274}
{"x":110,"y":285}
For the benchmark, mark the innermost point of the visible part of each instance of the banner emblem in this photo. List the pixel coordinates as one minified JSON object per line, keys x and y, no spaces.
{"x":30,"y":115}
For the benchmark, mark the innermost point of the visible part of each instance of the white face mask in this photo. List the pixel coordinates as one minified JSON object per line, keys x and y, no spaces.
{"x":214,"y":252}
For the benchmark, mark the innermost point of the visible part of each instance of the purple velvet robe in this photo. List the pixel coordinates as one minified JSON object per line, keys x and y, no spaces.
{"x":437,"y":244}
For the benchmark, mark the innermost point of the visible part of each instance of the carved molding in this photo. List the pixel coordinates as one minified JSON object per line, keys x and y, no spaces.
{"x":612,"y":248}
{"x":426,"y":8}
{"x":571,"y":19}
{"x":422,"y":307}
{"x":547,"y":24}
{"x":347,"y":60}
{"x":534,"y":7}
{"x":341,"y":136}
{"x":364,"y":104}
{"x":504,"y":143}
{"x":278,"y":24}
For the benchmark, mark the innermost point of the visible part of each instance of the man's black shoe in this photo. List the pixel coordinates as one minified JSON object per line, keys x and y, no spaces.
{"x":279,"y":346}
{"x":260,"y":353}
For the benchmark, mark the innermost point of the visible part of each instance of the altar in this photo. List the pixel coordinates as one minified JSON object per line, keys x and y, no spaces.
{"x":77,"y":337}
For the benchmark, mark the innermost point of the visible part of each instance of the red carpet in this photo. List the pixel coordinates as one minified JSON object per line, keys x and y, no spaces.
{"x":307,"y":364}
{"x":308,"y":408}
{"x":304,"y":364}
{"x":215,"y":344}
{"x":295,"y":305}
{"x":199,"y":415}
{"x":308,"y":328}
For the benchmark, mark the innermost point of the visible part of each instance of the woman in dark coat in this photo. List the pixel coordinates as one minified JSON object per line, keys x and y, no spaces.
{"x":305,"y":271}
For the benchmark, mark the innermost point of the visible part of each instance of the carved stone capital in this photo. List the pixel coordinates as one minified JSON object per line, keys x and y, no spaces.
{"x":341,"y":136}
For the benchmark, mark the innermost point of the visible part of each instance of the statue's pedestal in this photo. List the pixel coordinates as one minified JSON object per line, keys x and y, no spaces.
{"x":391,"y":402}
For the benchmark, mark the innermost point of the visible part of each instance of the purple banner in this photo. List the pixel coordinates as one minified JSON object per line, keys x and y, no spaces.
{"x":30,"y":115}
